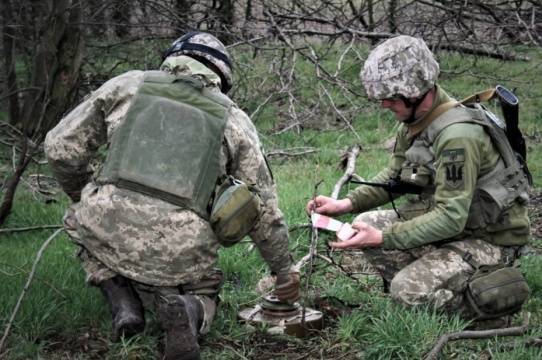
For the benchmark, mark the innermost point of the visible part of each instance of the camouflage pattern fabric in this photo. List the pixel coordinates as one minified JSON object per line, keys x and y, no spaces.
{"x":142,"y":238}
{"x":428,"y":275}
{"x":212,"y":42}
{"x":402,"y":65}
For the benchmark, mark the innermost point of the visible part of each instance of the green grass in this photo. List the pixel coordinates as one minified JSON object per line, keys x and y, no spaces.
{"x":60,"y":312}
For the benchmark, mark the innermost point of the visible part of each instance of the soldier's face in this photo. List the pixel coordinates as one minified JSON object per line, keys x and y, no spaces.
{"x":397,"y":106}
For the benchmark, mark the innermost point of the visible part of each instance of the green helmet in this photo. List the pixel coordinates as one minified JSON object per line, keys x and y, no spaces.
{"x":402,"y":66}
{"x":207,"y":49}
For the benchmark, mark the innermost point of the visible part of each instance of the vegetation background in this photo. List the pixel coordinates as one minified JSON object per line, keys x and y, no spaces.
{"x":297,"y":66}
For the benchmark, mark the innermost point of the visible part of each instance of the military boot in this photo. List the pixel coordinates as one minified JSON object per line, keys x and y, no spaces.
{"x":126,"y":308}
{"x":180,"y":316}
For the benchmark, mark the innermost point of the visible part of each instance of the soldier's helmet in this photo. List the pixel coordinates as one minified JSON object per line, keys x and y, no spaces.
{"x":402,"y":65}
{"x":207,"y":49}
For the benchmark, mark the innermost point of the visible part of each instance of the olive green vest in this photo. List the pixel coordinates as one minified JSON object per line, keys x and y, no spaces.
{"x":168,"y":145}
{"x":496,"y":191}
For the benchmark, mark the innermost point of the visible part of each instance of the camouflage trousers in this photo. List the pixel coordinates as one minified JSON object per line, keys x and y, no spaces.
{"x":206,"y":289}
{"x":429,"y":275}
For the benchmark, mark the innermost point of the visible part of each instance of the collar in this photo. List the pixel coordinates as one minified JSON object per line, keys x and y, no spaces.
{"x":441,"y":103}
{"x":185,"y":65}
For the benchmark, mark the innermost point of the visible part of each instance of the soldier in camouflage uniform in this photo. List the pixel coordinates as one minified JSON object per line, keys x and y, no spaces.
{"x":442,"y":147}
{"x":134,"y":241}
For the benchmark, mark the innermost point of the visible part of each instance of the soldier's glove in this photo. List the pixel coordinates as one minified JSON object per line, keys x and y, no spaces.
{"x":287,"y":286}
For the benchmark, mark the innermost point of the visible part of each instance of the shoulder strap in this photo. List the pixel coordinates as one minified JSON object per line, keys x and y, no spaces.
{"x":439,"y":110}
{"x":482,"y":96}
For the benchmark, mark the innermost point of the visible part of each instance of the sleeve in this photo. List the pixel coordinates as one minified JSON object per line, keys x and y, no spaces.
{"x":72,"y":144}
{"x":458,"y":154}
{"x":366,"y":197}
{"x":248,"y":164}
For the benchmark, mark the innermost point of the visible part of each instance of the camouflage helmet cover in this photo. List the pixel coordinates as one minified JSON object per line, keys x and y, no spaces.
{"x":204,"y":46}
{"x":402,"y":65}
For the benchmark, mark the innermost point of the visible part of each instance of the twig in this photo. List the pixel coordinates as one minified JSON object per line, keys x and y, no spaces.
{"x":26,"y":287}
{"x":473,"y":334}
{"x":293,"y":125}
{"x":346,"y":121}
{"x":292,"y":153}
{"x":341,"y":58}
{"x":352,"y":153}
{"x":26,"y":272}
{"x":331,"y":262}
{"x":357,"y":177}
{"x":252,"y":116}
{"x":312,"y":253}
{"x":41,"y":227}
{"x":299,"y":227}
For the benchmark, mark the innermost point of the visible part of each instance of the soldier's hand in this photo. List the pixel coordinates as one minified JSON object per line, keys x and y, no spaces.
{"x":328,"y":206}
{"x":287,"y":286}
{"x":366,"y":236}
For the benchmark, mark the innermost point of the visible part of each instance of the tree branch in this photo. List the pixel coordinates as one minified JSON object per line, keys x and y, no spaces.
{"x":483,"y":334}
{"x":26,"y":287}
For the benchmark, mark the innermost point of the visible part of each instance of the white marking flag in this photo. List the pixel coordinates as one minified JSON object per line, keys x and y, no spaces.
{"x":344,"y":230}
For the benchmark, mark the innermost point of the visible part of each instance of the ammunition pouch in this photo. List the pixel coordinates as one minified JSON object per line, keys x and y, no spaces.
{"x":497,"y":290}
{"x":493,"y":290}
{"x":235,"y":212}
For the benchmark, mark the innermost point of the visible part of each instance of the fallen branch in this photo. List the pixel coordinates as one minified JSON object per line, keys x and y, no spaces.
{"x":473,"y":334}
{"x":30,"y":228}
{"x":351,"y":156}
{"x":26,"y":287}
{"x":291,"y":152}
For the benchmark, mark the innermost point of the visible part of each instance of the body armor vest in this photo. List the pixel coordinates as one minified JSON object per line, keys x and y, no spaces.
{"x":495,"y":192}
{"x":168,"y":145}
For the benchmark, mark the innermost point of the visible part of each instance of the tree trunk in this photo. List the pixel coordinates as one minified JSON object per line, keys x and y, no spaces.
{"x":55,"y":72}
{"x":392,"y":22}
{"x":121,"y":18}
{"x":13,"y":181}
{"x":9,"y":62}
{"x":55,"y":76}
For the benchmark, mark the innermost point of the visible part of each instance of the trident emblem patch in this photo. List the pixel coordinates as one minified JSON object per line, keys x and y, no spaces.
{"x":454,"y":161}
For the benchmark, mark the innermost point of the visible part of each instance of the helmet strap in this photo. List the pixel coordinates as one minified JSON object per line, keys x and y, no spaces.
{"x":224,"y":85}
{"x":412,"y":105}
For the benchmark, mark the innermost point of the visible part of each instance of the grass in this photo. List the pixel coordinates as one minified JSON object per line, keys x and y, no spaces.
{"x":62,"y":318}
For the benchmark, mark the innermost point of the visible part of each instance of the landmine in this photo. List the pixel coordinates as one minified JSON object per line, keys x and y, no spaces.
{"x":282,"y":318}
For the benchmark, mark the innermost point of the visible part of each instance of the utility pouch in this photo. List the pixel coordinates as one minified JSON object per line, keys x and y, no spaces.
{"x":496,"y":290}
{"x":236,"y":210}
{"x":493,"y":290}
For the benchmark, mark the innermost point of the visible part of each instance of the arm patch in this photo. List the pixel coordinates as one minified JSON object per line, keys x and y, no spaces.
{"x":454,"y":161}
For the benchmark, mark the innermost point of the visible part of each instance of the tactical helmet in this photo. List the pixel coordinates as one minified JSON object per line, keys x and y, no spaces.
{"x":209,"y":50}
{"x":401,"y":66}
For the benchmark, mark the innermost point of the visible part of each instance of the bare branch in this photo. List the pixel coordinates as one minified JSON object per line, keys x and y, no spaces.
{"x":29,"y":228}
{"x":26,"y":287}
{"x":351,"y":155}
{"x":480,"y":334}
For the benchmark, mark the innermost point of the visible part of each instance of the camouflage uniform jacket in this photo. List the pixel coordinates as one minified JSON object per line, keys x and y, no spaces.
{"x":143,"y":238}
{"x":443,"y":215}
